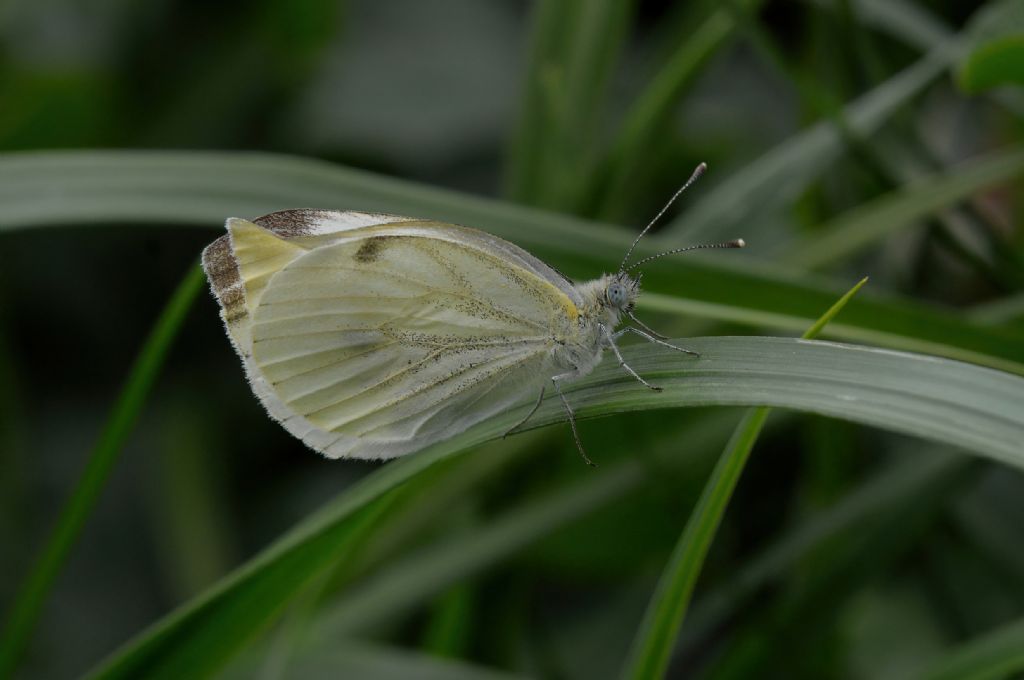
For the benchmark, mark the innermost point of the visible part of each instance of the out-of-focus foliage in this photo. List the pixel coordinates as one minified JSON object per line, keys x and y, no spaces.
{"x":844,"y":137}
{"x":996,"y":47}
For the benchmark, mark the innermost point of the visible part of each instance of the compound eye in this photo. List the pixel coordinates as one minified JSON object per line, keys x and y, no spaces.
{"x":616,"y":294}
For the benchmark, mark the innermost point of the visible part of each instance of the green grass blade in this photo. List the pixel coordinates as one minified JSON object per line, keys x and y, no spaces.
{"x":411,"y":581}
{"x":1009,"y":309}
{"x":399,"y":587}
{"x":905,"y":21}
{"x":195,"y":543}
{"x":595,"y":38}
{"x":884,"y":495}
{"x":993,"y":533}
{"x":995,"y":51}
{"x":414,"y":579}
{"x":527,"y":147}
{"x":909,"y":22}
{"x":801,"y":611}
{"x":870,"y":222}
{"x":778,"y":176}
{"x":818,"y":326}
{"x":249,"y":598}
{"x":449,"y":630}
{"x":202,"y":649}
{"x":429,"y":571}
{"x":784,"y":302}
{"x":937,"y":399}
{"x":29,"y":601}
{"x":414,"y":507}
{"x":652,"y":646}
{"x":647,"y":117}
{"x":997,"y":654}
{"x":962,"y":405}
{"x":656,"y":636}
{"x":76,"y":188}
{"x":367,"y":661}
{"x":575,"y":46}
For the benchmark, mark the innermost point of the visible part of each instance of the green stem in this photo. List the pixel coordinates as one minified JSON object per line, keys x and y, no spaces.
{"x":29,"y":601}
{"x":656,"y":638}
{"x":652,"y":647}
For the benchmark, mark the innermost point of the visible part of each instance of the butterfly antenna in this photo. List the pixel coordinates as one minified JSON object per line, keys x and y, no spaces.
{"x":737,"y":243}
{"x":700,"y":169}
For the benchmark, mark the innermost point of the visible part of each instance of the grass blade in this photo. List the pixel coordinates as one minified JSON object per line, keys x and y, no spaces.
{"x":575,"y":45}
{"x":778,"y":176}
{"x":818,"y":326}
{"x":905,"y":21}
{"x":527,"y":148}
{"x":995,"y":54}
{"x":940,"y":400}
{"x":647,"y":117}
{"x":75,"y":188}
{"x":29,"y":601}
{"x":997,"y":654}
{"x":801,"y":610}
{"x":652,"y":646}
{"x":879,"y":499}
{"x":656,"y":636}
{"x":414,"y":508}
{"x":366,"y":661}
{"x":429,"y":571}
{"x":909,"y":22}
{"x":870,"y":222}
{"x":448,"y":632}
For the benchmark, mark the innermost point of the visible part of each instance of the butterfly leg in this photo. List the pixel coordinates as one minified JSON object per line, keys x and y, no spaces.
{"x":572,"y":415}
{"x":656,"y":341}
{"x":645,"y":327}
{"x":610,"y":339}
{"x":540,"y":398}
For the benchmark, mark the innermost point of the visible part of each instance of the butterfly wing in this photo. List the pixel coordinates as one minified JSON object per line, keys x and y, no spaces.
{"x":374,"y":340}
{"x":239,"y":264}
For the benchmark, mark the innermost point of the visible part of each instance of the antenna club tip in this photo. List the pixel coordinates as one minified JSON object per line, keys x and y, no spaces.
{"x":739,"y":243}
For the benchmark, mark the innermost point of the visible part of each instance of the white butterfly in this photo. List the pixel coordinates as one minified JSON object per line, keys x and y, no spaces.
{"x":372,"y":336}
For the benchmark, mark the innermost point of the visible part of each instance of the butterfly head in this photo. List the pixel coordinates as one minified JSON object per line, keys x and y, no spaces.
{"x":621,"y":291}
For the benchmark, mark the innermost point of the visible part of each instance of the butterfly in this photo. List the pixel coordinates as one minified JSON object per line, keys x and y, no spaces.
{"x":371,"y":336}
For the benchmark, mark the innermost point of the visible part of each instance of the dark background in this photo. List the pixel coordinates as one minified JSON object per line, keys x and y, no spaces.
{"x":434,"y":92}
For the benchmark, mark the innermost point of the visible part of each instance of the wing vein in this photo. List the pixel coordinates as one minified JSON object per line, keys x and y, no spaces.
{"x":409,"y":395}
{"x":427,"y":287}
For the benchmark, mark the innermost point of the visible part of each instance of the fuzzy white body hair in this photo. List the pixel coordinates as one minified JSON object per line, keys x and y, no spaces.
{"x":582,"y":346}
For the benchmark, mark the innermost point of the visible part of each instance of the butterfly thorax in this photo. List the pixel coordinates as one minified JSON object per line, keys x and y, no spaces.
{"x":603,"y":301}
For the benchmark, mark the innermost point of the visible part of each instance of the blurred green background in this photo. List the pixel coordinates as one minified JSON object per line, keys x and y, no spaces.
{"x":845,"y":138}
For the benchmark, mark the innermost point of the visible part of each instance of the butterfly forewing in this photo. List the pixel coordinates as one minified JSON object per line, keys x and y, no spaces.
{"x":378,"y":340}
